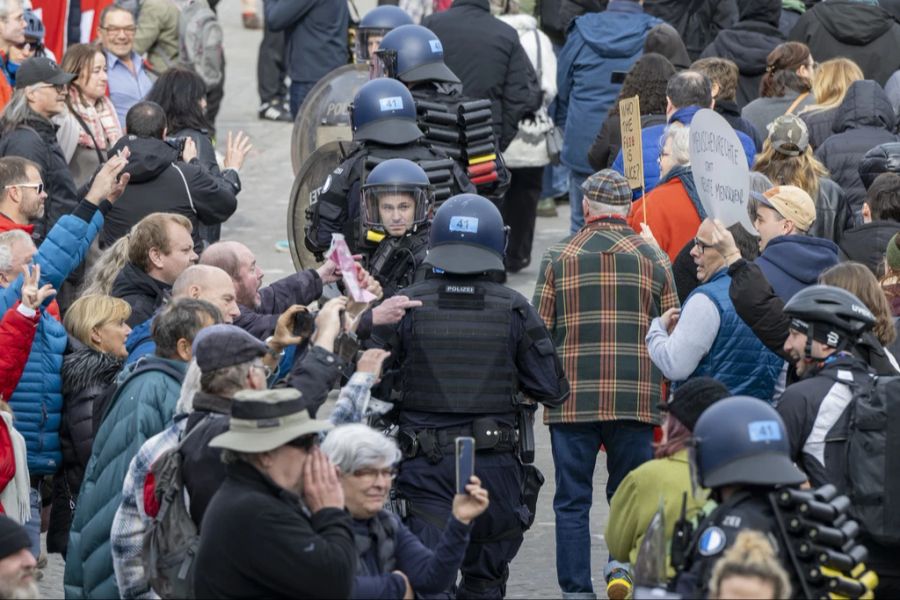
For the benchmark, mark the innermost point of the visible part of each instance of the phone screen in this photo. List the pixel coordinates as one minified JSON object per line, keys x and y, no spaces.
{"x":465,"y":462}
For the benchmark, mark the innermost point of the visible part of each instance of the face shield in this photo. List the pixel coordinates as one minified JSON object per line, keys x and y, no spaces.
{"x":383,"y":63}
{"x":395,"y":209}
{"x":366,"y":42}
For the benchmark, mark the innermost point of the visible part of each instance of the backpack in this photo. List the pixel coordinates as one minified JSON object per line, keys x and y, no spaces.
{"x":873,"y":459}
{"x":172,"y":538}
{"x":201,"y":42}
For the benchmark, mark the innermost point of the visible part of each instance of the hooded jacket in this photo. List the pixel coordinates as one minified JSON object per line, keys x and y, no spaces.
{"x":160,"y":182}
{"x":865,"y":33}
{"x":697,"y":21}
{"x":820,"y":124}
{"x":598,"y":44}
{"x":748,"y":44}
{"x":864,"y":120}
{"x":866,"y":243}
{"x":143,"y":293}
{"x":86,"y":375}
{"x":486,"y":55}
{"x":651,"y":137}
{"x":794,"y":262}
{"x":664,"y":39}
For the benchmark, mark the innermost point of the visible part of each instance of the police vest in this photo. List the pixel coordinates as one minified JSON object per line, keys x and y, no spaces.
{"x":459,"y":360}
{"x":737,"y":358}
{"x":395,"y":263}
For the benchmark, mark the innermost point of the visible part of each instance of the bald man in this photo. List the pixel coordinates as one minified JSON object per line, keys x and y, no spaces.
{"x":201,"y":282}
{"x":260,"y":306}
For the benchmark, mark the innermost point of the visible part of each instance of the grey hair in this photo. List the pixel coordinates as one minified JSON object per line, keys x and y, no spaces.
{"x":609,"y":209}
{"x":4,"y":7}
{"x":190,"y":385}
{"x":356,"y":446}
{"x":680,"y":137}
{"x":7,"y":239}
{"x":17,"y":110}
{"x":226,"y":381}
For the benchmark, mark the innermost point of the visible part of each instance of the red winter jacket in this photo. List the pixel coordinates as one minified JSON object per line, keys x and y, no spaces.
{"x":16,"y":335}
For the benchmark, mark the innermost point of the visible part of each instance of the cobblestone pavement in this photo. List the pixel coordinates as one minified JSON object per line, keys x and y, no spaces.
{"x":260,"y":222}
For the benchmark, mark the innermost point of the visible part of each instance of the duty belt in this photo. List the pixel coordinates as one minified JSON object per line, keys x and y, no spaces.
{"x":489,"y":435}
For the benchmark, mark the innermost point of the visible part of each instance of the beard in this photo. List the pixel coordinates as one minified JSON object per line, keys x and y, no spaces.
{"x":23,"y":590}
{"x":33,"y":210}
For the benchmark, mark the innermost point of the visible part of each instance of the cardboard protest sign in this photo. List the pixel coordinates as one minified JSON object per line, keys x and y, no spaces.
{"x":632,"y":146}
{"x":720,"y":169}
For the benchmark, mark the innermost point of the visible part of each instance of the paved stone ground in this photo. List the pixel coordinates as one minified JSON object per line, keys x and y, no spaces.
{"x":260,"y":222}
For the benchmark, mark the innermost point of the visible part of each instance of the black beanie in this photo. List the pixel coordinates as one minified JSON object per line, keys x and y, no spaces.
{"x":693,"y":397}
{"x":13,"y":537}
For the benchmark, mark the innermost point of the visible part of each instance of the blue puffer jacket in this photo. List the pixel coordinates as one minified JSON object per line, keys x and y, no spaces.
{"x":37,"y":400}
{"x":142,"y":407}
{"x":737,"y":358}
{"x":598,"y":44}
{"x":139,"y":342}
{"x":794,"y":262}
{"x":651,"y":138}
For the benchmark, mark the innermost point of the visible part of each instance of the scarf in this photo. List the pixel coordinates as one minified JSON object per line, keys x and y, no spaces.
{"x":100,"y":119}
{"x":14,"y":496}
{"x":683,"y":173}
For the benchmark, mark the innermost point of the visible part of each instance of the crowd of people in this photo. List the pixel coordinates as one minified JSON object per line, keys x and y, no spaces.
{"x":174,"y":428}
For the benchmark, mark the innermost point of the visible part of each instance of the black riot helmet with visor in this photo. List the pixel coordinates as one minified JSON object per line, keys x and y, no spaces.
{"x":396,"y":199}
{"x":411,"y":53}
{"x":375,"y":25}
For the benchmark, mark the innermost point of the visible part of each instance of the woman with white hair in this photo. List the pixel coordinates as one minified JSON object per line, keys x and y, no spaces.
{"x":392,"y":562}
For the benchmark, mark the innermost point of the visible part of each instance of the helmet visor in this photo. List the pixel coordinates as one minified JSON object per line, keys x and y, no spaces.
{"x":367,"y":41}
{"x":383,"y":63}
{"x":395,"y":209}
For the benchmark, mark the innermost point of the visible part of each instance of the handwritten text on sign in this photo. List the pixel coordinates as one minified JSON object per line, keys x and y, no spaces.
{"x":632,"y":146}
{"x":720,"y":169}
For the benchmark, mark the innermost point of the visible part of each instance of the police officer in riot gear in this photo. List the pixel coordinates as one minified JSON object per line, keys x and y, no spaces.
{"x":741,"y":453}
{"x":396,"y":207}
{"x":451,"y":121}
{"x":383,"y":120}
{"x":374,"y":26}
{"x":465,"y":358}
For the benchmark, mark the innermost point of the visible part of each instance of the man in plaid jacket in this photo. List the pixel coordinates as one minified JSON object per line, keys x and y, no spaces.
{"x":597,"y":291}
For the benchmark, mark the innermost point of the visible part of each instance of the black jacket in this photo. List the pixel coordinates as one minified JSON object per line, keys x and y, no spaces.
{"x":864,"y":120}
{"x":820,"y":124}
{"x":486,"y":55}
{"x":609,"y":140}
{"x":759,"y":307}
{"x":160,"y":182}
{"x":866,"y":243}
{"x":732,"y":113}
{"x":833,"y":214}
{"x":143,"y":293}
{"x":300,"y":288}
{"x":260,"y":541}
{"x":697,"y":21}
{"x":36,"y":141}
{"x":865,"y":34}
{"x":748,"y":43}
{"x":86,"y":375}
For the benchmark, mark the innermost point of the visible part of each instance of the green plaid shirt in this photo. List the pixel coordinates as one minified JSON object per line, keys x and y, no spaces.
{"x":597,"y":291}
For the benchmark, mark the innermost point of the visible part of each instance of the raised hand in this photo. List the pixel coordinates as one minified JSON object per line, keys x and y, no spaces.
{"x":32,"y":295}
{"x":236,"y":149}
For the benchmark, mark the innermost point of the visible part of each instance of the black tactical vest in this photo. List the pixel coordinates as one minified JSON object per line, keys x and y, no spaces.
{"x":460,"y":360}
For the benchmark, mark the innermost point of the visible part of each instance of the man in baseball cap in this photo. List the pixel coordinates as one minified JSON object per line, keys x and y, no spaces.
{"x":791,"y":260}
{"x":41,"y":69}
{"x":17,"y":564}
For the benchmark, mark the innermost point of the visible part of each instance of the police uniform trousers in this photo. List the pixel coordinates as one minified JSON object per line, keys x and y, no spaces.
{"x":497,"y":534}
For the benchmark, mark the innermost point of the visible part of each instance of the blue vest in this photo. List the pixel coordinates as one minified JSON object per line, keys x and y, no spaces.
{"x":737,"y":358}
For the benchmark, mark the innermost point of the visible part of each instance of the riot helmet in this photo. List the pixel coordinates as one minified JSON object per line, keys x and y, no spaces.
{"x":412,"y":53}
{"x":396,"y":198}
{"x":880,"y":159}
{"x":829,"y":315}
{"x":467,"y":236}
{"x":383,"y":111}
{"x":742,"y":441}
{"x":374,"y":26}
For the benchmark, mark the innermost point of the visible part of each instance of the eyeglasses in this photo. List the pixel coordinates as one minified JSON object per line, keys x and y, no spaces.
{"x":305,"y":442}
{"x":372,"y":475}
{"x":59,"y":87}
{"x":116,"y":30}
{"x":265,"y":369}
{"x":702,"y":245}
{"x":37,"y":186}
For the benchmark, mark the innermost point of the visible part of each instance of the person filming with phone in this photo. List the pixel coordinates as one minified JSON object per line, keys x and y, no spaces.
{"x":391,"y":561}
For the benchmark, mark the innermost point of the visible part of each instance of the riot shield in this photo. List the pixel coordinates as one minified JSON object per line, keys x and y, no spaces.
{"x":312,"y":176}
{"x":649,"y":569}
{"x":324,"y":115}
